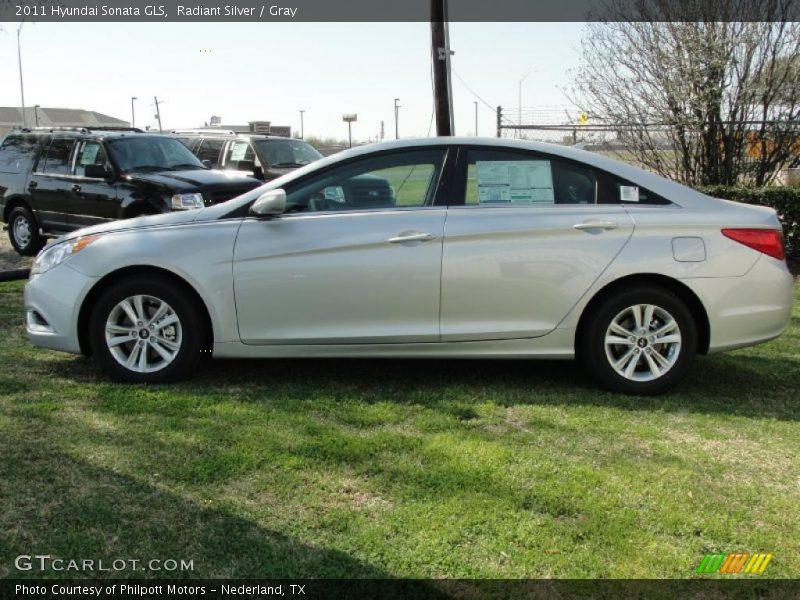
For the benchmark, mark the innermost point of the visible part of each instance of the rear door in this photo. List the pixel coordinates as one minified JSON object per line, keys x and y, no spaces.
{"x":51,"y":183}
{"x":526,"y":240}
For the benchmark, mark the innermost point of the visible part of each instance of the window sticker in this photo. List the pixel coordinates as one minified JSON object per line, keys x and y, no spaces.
{"x":238,"y":151}
{"x":89,"y":154}
{"x":515,"y":181}
{"x":628,"y":193}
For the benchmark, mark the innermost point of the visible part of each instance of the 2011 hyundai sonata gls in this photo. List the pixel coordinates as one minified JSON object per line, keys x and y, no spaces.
{"x":440,"y":247}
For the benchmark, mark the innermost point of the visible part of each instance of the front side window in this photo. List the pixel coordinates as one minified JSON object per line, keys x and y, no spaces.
{"x":240,"y":152}
{"x":287,"y":153}
{"x":151,"y":153}
{"x":89,"y":153}
{"x":498,"y":177}
{"x":398,"y":180}
{"x":56,"y":161}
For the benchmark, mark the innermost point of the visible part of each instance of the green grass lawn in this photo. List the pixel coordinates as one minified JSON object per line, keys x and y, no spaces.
{"x":328,"y":468}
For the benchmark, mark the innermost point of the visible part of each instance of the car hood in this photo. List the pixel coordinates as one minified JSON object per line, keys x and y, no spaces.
{"x":164,"y":219}
{"x":191,"y":179}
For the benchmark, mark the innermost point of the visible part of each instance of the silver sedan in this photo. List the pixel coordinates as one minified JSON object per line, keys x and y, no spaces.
{"x":444,"y":247}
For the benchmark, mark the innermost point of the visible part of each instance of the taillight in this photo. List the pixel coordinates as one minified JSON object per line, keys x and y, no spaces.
{"x":768,"y":241}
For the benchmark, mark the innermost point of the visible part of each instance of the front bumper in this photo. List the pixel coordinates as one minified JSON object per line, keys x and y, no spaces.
{"x":52,"y":304}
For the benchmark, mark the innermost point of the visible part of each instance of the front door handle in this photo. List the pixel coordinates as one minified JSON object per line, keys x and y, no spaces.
{"x":76,"y":187}
{"x":411,"y":236}
{"x":32,"y":185}
{"x":595,"y":224}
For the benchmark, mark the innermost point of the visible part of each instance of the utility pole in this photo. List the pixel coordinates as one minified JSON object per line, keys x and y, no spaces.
{"x":133,"y":113}
{"x":382,"y":131}
{"x":36,"y":113}
{"x":440,"y":56}
{"x":475,"y":102}
{"x":302,"y":130}
{"x":21,"y":86}
{"x":396,"y":117}
{"x":158,"y":113}
{"x":524,"y":77}
{"x":499,"y":119}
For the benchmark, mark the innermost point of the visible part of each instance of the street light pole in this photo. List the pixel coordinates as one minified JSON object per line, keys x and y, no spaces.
{"x":396,"y":119}
{"x":133,"y":113}
{"x":21,"y":86}
{"x":36,"y":113}
{"x":520,"y":98}
{"x":475,"y":102}
{"x":302,"y":130}
{"x":158,"y":113}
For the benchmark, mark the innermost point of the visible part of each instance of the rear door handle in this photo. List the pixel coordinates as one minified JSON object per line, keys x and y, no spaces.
{"x":76,"y":187}
{"x":32,"y":185}
{"x":595,"y":224}
{"x":411,"y":236}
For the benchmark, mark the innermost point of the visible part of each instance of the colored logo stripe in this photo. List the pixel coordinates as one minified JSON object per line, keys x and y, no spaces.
{"x":734,"y":562}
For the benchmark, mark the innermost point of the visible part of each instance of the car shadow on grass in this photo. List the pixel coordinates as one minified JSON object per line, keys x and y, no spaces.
{"x":737,"y":384}
{"x":55,"y":504}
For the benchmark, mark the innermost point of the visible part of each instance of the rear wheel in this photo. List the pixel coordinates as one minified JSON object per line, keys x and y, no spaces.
{"x":147,"y":331}
{"x":23,"y":231}
{"x":641,"y":341}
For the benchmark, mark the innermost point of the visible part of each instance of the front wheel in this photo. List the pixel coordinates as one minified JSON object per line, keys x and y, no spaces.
{"x":146,"y":330}
{"x":23,"y":232}
{"x":640,"y":341}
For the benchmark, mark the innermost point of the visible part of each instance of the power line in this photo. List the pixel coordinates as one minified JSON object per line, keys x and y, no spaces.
{"x":464,"y":83}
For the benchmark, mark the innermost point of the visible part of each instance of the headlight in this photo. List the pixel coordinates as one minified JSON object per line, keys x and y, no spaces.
{"x":187,"y":201}
{"x":58,"y":253}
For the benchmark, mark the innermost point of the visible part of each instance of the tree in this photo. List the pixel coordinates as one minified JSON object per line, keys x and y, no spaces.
{"x":703,"y":101}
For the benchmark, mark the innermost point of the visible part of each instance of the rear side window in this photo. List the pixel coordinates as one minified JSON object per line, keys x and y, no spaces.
{"x":57,"y":159}
{"x":497,"y":177}
{"x":210,"y":149}
{"x":17,"y":153}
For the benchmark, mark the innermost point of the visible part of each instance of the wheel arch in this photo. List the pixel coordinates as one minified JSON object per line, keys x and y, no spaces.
{"x":125,"y":273}
{"x":684,"y":292}
{"x":12,"y":203}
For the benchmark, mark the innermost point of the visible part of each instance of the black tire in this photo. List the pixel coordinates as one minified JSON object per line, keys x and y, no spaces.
{"x":592,"y":351}
{"x":192,"y":337}
{"x":26,"y":245}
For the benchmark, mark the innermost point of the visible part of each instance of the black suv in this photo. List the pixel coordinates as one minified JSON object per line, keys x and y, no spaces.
{"x":262,"y":156}
{"x":57,"y":180}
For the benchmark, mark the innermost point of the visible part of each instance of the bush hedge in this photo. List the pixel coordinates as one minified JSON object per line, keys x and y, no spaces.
{"x":785,"y":200}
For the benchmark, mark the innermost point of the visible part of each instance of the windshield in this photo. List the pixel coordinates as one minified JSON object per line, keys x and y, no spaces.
{"x":152,"y":153}
{"x":287,"y":153}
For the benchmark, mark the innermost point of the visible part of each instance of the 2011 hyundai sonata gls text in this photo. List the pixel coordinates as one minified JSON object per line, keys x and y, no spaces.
{"x":443,"y":247}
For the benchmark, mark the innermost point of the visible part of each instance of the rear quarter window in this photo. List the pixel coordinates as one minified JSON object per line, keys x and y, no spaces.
{"x":17,"y":153}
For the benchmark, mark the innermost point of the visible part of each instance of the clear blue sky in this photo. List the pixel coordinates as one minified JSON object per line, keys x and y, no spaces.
{"x":268,"y":71}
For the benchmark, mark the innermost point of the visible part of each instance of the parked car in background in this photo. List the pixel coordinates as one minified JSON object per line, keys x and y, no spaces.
{"x":262,"y":156}
{"x":489,"y":248}
{"x":53,"y":181}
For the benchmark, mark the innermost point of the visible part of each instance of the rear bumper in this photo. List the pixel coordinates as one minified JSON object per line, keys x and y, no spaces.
{"x":52,"y":305}
{"x":747,"y":310}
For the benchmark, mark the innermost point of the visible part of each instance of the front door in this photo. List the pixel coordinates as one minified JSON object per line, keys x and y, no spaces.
{"x":92,"y":200}
{"x":356,"y":259}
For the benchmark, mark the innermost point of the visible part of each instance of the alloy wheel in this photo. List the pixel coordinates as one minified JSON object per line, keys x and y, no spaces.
{"x":143,"y":333}
{"x":643,"y":342}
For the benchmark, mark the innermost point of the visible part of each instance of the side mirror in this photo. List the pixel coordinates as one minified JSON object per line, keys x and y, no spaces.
{"x":97,"y":172}
{"x":207,"y":164}
{"x":270,"y":204}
